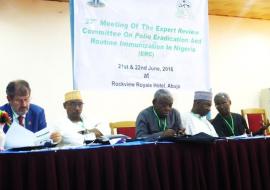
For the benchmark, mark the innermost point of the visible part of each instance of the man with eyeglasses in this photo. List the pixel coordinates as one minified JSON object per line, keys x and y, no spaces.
{"x":75,"y":128}
{"x":21,"y":111}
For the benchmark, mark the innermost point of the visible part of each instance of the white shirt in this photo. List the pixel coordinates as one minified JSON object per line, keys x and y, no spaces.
{"x":194,"y":124}
{"x":70,"y":130}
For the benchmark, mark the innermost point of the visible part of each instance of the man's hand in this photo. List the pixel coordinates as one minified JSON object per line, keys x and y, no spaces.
{"x":56,"y":137}
{"x":182,"y":131}
{"x":96,"y":131}
{"x":262,"y":130}
{"x":168,"y":133}
{"x":265,"y":125}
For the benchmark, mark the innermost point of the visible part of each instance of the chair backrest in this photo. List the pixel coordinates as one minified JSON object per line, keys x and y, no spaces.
{"x":124,"y":127}
{"x":254,"y":117}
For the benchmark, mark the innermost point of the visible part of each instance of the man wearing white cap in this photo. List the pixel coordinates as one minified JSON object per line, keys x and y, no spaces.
{"x":74,"y":128}
{"x":195,"y":122}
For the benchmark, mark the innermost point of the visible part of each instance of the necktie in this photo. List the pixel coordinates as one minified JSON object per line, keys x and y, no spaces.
{"x":20,"y":119}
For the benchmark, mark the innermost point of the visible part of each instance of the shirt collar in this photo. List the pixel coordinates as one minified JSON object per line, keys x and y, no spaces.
{"x":197,"y":115}
{"x":15,"y":115}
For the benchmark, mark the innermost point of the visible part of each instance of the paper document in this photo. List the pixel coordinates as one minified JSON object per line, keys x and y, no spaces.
{"x":244,"y":136}
{"x":18,"y":136}
{"x":115,"y":136}
{"x":42,"y":137}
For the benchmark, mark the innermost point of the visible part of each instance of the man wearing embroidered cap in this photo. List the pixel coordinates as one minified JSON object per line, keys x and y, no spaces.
{"x":73,"y":105}
{"x":74,"y":128}
{"x":195,"y":121}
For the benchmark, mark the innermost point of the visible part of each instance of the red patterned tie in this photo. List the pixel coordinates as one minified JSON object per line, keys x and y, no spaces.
{"x":20,"y":118}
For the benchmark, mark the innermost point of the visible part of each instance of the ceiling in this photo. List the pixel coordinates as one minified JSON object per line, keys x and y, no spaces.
{"x":256,"y":9}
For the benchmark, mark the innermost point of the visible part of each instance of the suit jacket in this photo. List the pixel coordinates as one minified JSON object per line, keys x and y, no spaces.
{"x":147,"y":124}
{"x":223,"y":130}
{"x":34,"y":119}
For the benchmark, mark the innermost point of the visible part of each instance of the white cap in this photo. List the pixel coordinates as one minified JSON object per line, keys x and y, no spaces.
{"x":203,"y":95}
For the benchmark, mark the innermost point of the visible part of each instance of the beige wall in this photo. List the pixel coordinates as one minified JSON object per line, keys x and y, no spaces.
{"x":239,"y":58}
{"x":35,"y":45}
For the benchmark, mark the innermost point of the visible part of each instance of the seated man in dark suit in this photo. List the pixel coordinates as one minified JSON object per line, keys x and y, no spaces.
{"x":227,"y":123}
{"x":30,"y":116}
{"x":160,"y":119}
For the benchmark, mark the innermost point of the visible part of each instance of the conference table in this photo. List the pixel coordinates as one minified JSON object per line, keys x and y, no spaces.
{"x":221,"y":164}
